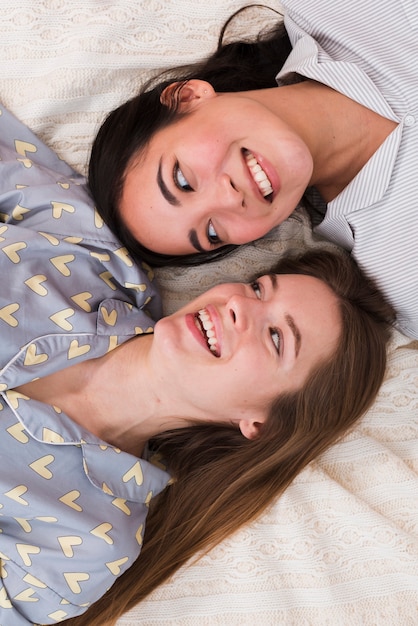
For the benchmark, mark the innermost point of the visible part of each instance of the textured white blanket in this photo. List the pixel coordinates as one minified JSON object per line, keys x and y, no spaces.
{"x":341,"y":546}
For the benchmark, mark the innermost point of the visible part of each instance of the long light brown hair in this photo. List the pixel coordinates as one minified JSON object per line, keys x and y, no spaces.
{"x":224,"y":480}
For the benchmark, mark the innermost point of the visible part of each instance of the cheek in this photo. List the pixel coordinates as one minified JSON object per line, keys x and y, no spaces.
{"x":203,"y":141}
{"x":249,"y":230}
{"x":252,"y":224}
{"x":205,"y":154}
{"x":256,"y":375}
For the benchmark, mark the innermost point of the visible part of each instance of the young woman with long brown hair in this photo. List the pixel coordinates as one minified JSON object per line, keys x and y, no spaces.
{"x":222,"y":480}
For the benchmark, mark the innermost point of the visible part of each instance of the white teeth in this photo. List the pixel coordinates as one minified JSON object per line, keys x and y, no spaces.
{"x":258,"y":174}
{"x":260,"y":177}
{"x":209,"y":329}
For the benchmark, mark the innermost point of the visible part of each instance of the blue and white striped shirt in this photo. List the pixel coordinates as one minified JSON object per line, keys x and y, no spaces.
{"x":368,"y":51}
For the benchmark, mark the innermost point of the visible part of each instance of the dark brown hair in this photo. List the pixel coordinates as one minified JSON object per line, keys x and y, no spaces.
{"x":224,"y":480}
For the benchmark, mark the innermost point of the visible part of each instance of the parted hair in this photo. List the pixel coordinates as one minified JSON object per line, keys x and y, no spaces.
{"x":223,"y":480}
{"x":127,"y":131}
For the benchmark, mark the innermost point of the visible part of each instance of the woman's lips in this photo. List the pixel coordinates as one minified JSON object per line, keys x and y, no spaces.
{"x":208,"y":329}
{"x":263,"y":177}
{"x":203,"y":327}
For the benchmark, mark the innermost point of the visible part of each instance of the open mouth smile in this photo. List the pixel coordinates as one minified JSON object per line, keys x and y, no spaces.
{"x":207,"y":328}
{"x":260,"y":177}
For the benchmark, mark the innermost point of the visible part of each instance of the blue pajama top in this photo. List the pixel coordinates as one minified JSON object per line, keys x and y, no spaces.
{"x":72,"y":508}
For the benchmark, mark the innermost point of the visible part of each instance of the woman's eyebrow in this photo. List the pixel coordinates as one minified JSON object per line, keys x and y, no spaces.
{"x":289,"y":319}
{"x":170,"y":197}
{"x":296,"y":332}
{"x":193,"y":238}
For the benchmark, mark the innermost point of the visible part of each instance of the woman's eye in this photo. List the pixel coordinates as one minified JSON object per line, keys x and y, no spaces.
{"x":179,"y":179}
{"x":275,"y":337}
{"x":256,"y":288}
{"x":212,"y":234}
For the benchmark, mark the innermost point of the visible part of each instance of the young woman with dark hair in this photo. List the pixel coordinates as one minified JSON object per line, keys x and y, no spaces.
{"x":217,"y":154}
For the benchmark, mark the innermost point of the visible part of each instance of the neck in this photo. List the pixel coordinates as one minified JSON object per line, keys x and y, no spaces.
{"x":112,"y":396}
{"x":341,"y":134}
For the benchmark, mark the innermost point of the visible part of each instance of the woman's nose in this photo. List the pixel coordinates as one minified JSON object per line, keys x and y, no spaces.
{"x":241,"y":310}
{"x":229,"y":196}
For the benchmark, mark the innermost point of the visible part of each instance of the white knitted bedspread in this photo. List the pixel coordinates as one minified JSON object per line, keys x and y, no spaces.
{"x":340,"y":547}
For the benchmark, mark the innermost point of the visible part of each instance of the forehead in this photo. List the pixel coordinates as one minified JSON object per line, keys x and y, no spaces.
{"x":141,"y":205}
{"x":314,"y":302}
{"x":301,"y":282}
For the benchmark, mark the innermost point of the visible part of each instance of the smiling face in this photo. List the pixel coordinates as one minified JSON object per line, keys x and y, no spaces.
{"x":234,"y":349}
{"x":226,"y":173}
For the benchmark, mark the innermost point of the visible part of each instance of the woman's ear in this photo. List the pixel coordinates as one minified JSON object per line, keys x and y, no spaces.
{"x":250,"y":428}
{"x":186,"y":94}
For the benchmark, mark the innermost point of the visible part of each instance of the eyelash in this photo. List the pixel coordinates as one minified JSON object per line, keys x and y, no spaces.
{"x":255,"y":286}
{"x":213,"y":239}
{"x":274,"y":333}
{"x":277,"y":340}
{"x":177,"y":173}
{"x":181,"y":183}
